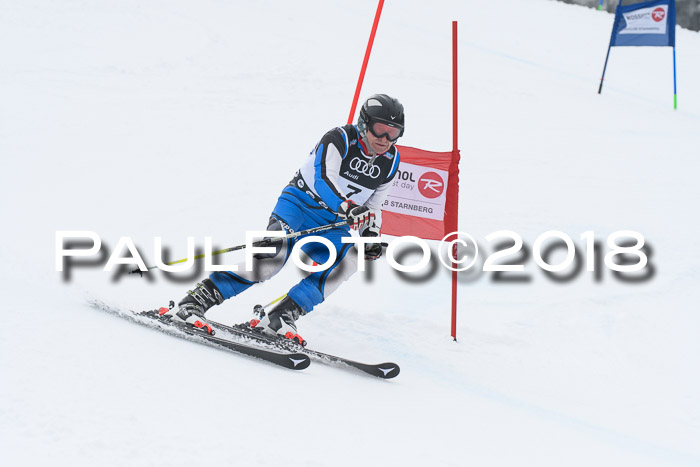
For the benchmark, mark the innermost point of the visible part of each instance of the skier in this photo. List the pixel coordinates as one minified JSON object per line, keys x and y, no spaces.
{"x":346,"y":177}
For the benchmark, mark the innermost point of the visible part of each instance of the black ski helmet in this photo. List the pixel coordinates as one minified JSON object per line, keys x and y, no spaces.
{"x":381,"y":108}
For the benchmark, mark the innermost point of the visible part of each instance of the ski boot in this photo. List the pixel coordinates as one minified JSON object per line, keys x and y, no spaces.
{"x":280,"y":321}
{"x":191,"y":309}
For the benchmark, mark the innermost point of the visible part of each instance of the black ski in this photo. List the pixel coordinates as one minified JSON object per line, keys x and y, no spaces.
{"x":288,"y":359}
{"x":380,"y":370}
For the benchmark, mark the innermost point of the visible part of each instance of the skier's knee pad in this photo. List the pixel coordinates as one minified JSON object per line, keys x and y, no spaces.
{"x":345,"y":268}
{"x":275,"y":225}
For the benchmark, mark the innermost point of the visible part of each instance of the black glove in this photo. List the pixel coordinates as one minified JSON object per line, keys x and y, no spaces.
{"x":373,"y":251}
{"x":357,"y":216}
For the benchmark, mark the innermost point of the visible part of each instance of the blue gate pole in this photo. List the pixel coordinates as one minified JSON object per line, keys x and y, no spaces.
{"x":607,"y":56}
{"x":675,"y":95}
{"x":600,"y":88}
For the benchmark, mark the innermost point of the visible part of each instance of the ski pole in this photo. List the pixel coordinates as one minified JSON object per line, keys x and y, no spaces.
{"x":263,"y":242}
{"x":257,"y":309}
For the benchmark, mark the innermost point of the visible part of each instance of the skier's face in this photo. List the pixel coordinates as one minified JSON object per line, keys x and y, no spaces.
{"x":378,"y":145}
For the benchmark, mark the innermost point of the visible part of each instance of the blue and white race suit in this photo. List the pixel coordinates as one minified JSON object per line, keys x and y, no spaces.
{"x":339,"y":168}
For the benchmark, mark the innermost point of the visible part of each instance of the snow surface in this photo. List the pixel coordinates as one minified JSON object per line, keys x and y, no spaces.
{"x":181,"y":118}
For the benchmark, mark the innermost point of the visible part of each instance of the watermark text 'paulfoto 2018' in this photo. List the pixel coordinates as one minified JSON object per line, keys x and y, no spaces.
{"x":618,"y":243}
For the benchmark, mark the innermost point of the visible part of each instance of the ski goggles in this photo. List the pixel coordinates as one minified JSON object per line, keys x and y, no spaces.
{"x":382,"y":130}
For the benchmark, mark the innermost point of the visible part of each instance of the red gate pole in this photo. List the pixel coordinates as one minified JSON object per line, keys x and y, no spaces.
{"x":455,"y":160}
{"x":365,"y":61}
